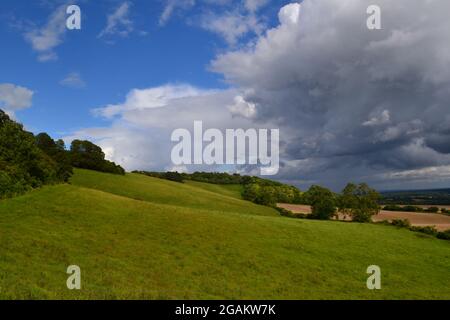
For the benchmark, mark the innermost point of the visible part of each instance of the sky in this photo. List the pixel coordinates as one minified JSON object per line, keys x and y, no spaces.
{"x":351,"y":104}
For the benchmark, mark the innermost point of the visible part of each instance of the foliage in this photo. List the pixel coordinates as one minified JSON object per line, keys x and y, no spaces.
{"x":401,"y":223}
{"x":172,"y":176}
{"x":410,"y":208}
{"x":56,"y":151}
{"x":254,"y":189}
{"x":322,"y":201}
{"x":214,"y":177}
{"x":86,"y":155}
{"x":161,"y":191}
{"x":23,"y":166}
{"x":359,"y":201}
{"x":444,"y":235}
{"x":427,"y":230}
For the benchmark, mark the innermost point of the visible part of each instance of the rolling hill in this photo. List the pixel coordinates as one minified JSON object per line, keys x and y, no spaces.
{"x":138,"y":237}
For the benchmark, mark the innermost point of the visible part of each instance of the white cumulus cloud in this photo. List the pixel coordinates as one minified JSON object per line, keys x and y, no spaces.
{"x":46,"y":38}
{"x":14,"y":98}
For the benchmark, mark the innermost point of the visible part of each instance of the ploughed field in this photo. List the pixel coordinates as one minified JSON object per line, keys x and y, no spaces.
{"x":136,"y":237}
{"x":440,"y":221}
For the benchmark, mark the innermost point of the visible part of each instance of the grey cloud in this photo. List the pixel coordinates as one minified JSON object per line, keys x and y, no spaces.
{"x":343,"y":94}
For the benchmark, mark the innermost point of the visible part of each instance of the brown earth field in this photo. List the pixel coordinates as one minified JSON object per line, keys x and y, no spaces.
{"x":439,"y":221}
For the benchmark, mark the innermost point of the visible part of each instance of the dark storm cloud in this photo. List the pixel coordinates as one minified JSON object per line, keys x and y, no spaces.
{"x":352,"y":103}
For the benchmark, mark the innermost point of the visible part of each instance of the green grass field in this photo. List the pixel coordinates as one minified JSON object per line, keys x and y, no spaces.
{"x":143,"y":238}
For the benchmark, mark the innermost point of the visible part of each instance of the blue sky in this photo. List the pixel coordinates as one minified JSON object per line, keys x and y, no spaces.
{"x":152,"y":53}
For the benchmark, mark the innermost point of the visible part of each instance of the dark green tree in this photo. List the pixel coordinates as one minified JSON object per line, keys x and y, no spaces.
{"x":360,"y":202}
{"x":322,"y":201}
{"x":84,"y":154}
{"x":23,"y":165}
{"x":56,"y":151}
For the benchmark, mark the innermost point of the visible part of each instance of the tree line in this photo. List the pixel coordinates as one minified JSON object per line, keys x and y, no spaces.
{"x":28,"y":161}
{"x":359,"y":202}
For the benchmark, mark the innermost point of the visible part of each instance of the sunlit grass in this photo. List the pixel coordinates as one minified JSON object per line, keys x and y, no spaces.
{"x":148,"y":249}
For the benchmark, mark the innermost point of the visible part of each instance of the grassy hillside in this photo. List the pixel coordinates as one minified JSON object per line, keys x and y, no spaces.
{"x":141,"y":187}
{"x":128,"y":248}
{"x":231,"y":190}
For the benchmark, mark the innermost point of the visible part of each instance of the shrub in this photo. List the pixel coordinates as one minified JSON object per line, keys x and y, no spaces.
{"x":432,"y":210}
{"x":427,"y":230}
{"x":392,"y":207}
{"x":411,"y":209}
{"x":445,"y":235}
{"x":401,"y":223}
{"x":173,"y":176}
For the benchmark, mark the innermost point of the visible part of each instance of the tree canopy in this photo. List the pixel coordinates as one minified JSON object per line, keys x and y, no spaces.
{"x":28,"y":161}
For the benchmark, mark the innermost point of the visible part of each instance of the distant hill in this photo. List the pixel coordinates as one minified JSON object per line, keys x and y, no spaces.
{"x":413,"y":197}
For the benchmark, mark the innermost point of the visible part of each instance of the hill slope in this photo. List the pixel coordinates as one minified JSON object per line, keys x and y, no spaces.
{"x":129,"y":248}
{"x":141,"y":187}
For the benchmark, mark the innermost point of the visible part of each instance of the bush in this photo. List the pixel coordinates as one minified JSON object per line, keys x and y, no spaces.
{"x":427,"y":230}
{"x":173,"y":176}
{"x":392,"y":207}
{"x":431,"y":210}
{"x":445,"y":235}
{"x":401,"y":223}
{"x":411,"y":209}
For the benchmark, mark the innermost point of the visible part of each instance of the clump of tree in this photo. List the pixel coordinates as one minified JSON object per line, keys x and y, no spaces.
{"x":28,"y":161}
{"x":268,"y":192}
{"x":57,"y":152}
{"x":214,"y":177}
{"x":86,"y":155}
{"x":23,"y":165}
{"x":410,"y":208}
{"x":170,"y":175}
{"x":322,"y":202}
{"x":360,"y":202}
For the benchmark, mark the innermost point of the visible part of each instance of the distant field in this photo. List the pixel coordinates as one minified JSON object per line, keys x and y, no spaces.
{"x":440,"y":221}
{"x":131,"y":243}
